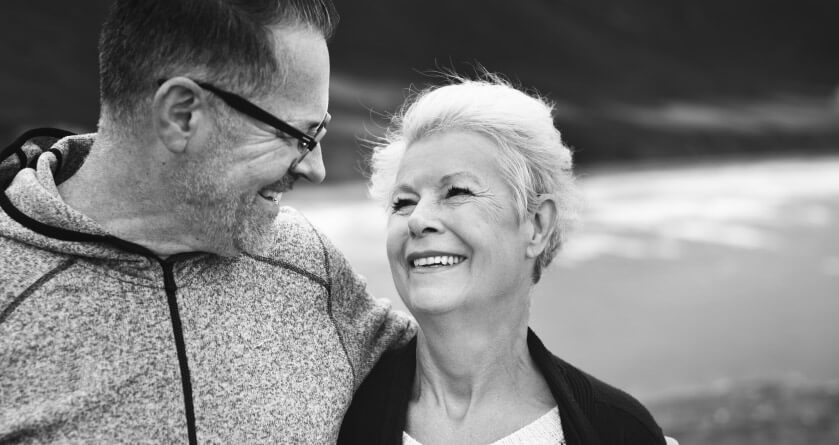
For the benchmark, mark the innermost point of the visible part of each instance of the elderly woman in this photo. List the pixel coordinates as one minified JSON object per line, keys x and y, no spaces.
{"x":480,"y":194}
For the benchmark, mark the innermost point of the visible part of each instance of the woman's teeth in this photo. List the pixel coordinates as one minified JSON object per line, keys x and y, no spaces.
{"x":445,"y":260}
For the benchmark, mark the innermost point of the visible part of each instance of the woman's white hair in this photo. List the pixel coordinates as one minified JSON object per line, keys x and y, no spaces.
{"x":533,"y":159}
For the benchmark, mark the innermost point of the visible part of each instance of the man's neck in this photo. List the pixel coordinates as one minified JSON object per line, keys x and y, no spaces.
{"x":123,"y":193}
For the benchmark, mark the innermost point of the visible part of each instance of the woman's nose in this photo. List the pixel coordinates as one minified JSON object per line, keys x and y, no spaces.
{"x":424,"y":219}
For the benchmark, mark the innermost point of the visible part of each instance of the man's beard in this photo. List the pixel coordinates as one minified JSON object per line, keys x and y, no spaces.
{"x":239,"y":224}
{"x":257,"y":233}
{"x":226,"y":221}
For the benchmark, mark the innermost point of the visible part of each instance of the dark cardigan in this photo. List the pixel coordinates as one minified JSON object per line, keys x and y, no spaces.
{"x":592,"y":412}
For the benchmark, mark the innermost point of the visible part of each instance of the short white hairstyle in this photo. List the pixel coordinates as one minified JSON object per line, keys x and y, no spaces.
{"x":534,"y":161}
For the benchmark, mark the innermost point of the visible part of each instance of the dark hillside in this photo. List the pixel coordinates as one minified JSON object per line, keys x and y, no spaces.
{"x":632,"y":80}
{"x":602,"y":48}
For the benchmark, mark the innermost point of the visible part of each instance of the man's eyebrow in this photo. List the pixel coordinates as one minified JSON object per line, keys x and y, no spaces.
{"x":313,"y":125}
{"x":303,"y":125}
{"x":307,"y":126}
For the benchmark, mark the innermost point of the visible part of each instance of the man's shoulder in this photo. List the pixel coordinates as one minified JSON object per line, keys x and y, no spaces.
{"x":293,"y":222}
{"x":23,"y":266}
{"x":299,"y":245}
{"x":18,"y":257}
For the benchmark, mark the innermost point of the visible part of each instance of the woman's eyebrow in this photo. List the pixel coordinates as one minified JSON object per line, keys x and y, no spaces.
{"x":448,"y":178}
{"x":402,"y":188}
{"x":459,"y":175}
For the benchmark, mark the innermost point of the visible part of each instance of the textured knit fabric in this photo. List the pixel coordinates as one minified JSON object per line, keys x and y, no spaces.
{"x":546,"y":430}
{"x":100,"y":343}
{"x":593,"y":413}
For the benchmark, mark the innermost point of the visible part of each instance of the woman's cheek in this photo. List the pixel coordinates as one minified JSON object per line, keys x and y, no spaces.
{"x":489,"y":210}
{"x":394,"y":243}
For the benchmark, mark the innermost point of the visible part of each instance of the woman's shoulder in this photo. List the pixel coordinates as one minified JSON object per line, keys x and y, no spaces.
{"x":614,"y":406}
{"x":395,"y":365}
{"x":376,"y":414}
{"x":592,"y":407}
{"x":617,"y":416}
{"x":390,"y":377}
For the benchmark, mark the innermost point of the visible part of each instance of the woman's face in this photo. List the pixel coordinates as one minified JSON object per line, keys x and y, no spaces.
{"x":454,"y":240}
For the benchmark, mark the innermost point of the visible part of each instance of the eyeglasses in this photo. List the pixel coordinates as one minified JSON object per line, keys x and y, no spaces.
{"x":306,"y":143}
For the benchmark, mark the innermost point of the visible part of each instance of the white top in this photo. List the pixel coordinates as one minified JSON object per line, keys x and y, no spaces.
{"x":546,"y":430}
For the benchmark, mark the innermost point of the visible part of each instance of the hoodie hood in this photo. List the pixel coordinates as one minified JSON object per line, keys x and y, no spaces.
{"x":34,"y":212}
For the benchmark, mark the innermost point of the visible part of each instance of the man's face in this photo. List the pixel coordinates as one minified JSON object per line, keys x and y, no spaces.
{"x":234,"y":188}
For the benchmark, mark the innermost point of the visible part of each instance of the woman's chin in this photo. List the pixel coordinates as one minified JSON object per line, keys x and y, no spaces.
{"x":424,"y":304}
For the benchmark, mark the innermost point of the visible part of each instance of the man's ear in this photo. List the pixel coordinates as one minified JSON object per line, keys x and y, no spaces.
{"x":543,"y":223}
{"x":178,"y":107}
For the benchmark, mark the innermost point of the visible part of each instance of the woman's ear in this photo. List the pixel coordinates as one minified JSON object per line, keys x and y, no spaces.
{"x":177,"y":108}
{"x":543,"y":223}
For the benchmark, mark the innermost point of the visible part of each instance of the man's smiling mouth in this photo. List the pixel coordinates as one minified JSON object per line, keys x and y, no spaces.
{"x":274,"y":192}
{"x":270,"y":195}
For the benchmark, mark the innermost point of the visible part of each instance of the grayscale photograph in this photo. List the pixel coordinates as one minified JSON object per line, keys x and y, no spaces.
{"x":468,"y":222}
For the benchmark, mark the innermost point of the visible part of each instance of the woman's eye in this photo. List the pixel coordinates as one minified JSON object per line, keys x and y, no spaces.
{"x":458,"y":191}
{"x":400,"y":205}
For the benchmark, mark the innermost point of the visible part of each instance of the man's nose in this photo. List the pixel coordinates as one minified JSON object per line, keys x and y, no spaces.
{"x":311,"y":167}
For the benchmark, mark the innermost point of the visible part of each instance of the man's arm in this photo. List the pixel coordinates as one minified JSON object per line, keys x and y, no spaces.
{"x":368,"y":326}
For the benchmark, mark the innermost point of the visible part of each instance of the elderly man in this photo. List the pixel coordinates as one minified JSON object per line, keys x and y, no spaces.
{"x":156,"y":292}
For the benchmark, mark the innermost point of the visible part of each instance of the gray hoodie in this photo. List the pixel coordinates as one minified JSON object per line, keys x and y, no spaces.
{"x":101,"y":342}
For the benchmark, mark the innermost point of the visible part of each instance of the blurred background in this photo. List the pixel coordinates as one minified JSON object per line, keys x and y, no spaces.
{"x":706,"y":136}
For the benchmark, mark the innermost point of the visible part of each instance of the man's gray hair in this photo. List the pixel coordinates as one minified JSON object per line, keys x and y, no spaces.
{"x":228,"y":41}
{"x":534,"y":161}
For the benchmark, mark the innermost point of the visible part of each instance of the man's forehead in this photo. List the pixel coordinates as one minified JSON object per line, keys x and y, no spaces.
{"x":303,"y":58}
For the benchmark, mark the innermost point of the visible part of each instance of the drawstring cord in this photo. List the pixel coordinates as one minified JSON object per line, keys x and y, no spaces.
{"x":16,"y":148}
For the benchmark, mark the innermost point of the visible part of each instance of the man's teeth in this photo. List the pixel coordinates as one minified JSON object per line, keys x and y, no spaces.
{"x":270,"y":195}
{"x":444,"y":260}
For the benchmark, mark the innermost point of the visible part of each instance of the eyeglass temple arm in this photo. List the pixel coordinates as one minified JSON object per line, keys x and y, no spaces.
{"x":252,"y":110}
{"x":241,"y":105}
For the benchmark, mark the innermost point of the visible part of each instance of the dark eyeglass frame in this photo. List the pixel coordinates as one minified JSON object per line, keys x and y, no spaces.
{"x":306,"y":143}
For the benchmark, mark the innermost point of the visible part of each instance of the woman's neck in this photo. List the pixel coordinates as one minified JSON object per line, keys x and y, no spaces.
{"x":469,"y":361}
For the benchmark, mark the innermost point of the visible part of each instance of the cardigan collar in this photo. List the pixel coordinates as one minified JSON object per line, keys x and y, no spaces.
{"x":575,"y":401}
{"x":573,"y":397}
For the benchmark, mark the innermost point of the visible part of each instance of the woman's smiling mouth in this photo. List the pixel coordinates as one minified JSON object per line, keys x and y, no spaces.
{"x":435,"y":261}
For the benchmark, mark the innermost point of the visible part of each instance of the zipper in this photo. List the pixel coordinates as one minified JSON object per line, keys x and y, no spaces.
{"x":73,"y":236}
{"x":180,"y":345}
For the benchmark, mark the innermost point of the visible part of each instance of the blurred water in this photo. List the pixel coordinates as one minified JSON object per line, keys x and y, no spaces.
{"x":652,"y":213}
{"x":681,"y":276}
